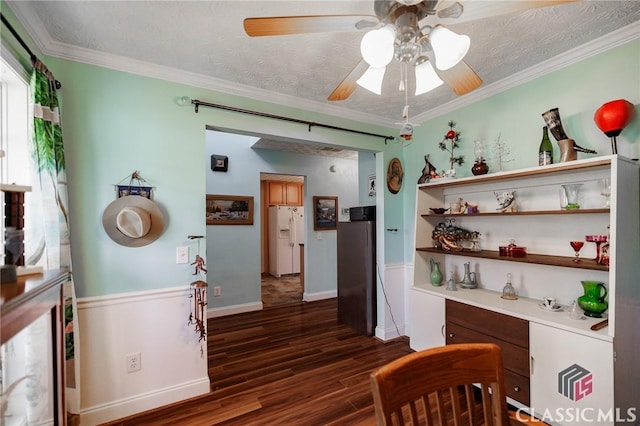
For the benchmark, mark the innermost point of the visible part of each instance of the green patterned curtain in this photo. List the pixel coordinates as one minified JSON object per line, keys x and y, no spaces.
{"x":50,"y":166}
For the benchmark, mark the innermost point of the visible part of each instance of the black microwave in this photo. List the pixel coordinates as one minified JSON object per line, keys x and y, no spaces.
{"x":362,"y":213}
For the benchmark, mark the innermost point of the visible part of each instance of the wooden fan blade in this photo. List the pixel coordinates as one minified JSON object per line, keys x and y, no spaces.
{"x":479,"y":9}
{"x":349,"y":84}
{"x":461,"y":78}
{"x":285,"y":25}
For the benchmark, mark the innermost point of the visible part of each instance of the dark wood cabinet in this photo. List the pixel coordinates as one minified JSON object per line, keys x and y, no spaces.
{"x":28,"y":299}
{"x":469,"y":324}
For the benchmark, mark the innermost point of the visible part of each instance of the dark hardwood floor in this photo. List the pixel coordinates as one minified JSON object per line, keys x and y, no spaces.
{"x":286,"y":365}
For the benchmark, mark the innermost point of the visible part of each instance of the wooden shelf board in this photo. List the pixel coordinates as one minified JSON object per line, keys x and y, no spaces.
{"x":523,"y":213}
{"x":539,"y":259}
{"x":516,"y":174}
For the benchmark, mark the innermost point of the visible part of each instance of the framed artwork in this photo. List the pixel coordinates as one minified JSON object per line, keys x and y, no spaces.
{"x":395,"y":174}
{"x":143,"y":191}
{"x":219,"y":163}
{"x":229,"y":210}
{"x":325,"y":213}
{"x":372,"y":186}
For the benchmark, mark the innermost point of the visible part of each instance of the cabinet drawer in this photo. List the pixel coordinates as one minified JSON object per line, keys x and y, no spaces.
{"x":514,"y":358}
{"x":504,"y":327}
{"x":517,"y":387}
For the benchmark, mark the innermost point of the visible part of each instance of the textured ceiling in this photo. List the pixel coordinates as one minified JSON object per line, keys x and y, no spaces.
{"x":205,"y":41}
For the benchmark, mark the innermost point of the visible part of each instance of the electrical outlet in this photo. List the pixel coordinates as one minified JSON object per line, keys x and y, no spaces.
{"x":134,"y":362}
{"x":217,"y":291}
{"x":182,"y":254}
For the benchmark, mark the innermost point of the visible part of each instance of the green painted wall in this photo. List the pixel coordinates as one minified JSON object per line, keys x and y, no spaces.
{"x":115,"y":123}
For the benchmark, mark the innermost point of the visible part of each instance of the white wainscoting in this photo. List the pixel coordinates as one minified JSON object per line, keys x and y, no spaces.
{"x":153,"y":323}
{"x":391,"y":296}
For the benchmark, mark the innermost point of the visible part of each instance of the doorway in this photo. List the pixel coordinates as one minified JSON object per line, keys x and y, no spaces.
{"x":283,"y":227}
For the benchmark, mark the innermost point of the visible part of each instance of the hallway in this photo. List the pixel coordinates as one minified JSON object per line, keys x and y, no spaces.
{"x":279,"y":291}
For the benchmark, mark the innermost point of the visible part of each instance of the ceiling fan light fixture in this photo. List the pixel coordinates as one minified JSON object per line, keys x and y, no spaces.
{"x":377,"y":47}
{"x":426,"y":78}
{"x":372,"y":79}
{"x":449,"y":47}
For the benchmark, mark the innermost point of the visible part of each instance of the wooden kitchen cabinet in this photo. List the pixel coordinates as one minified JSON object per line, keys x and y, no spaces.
{"x":285,"y":193}
{"x":470,"y":324}
{"x":556,"y":342}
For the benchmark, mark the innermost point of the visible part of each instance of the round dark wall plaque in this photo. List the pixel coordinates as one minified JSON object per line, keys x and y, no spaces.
{"x":394,"y":175}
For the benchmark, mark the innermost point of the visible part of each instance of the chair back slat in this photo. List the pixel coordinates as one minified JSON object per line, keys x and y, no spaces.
{"x":456,"y":385}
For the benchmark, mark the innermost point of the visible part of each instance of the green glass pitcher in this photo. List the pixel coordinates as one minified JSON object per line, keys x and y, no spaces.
{"x":592,"y":301}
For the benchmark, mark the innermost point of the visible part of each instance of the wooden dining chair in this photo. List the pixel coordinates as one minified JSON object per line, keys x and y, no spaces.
{"x":436,"y":387}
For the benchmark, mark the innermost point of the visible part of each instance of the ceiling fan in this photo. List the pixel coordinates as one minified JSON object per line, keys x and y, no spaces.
{"x":413,"y":32}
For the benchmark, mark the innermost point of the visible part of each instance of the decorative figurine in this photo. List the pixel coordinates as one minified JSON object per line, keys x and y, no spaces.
{"x":428,"y":172}
{"x":198,"y":296}
{"x":447,"y":237}
{"x":568,"y":147}
{"x":501,"y":153}
{"x":458,"y":207}
{"x":507,"y":201}
{"x":453,"y":138}
{"x":451,"y":283}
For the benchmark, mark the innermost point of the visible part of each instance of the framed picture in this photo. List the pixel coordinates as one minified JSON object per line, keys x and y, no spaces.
{"x":394,"y":175}
{"x":372,"y":186}
{"x":219,"y":163}
{"x":324,"y":213}
{"x":229,"y":210}
{"x":143,"y":191}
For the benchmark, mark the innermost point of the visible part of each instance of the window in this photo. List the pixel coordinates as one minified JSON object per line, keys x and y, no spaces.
{"x":16,"y":166}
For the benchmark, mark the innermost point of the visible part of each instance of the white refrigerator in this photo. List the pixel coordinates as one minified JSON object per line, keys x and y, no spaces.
{"x":286,"y":233}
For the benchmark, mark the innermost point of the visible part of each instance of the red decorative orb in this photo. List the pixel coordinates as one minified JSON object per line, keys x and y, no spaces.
{"x":613,"y":116}
{"x":451,"y":134}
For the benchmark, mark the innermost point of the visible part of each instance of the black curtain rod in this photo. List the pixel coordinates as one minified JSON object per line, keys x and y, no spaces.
{"x":311,"y":124}
{"x":32,"y":56}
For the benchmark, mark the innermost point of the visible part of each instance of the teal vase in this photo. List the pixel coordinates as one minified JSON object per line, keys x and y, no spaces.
{"x":436,"y":274}
{"x":592,"y":301}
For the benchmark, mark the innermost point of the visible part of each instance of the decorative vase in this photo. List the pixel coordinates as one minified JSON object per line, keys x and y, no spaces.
{"x":592,"y":301}
{"x":479,"y":168}
{"x":571,"y":193}
{"x":436,"y":274}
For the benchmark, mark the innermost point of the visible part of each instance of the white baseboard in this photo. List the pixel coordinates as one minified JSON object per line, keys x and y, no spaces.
{"x":312,"y":297}
{"x":388,"y":333}
{"x":142,"y":402}
{"x":235,"y":309}
{"x":258,"y":306}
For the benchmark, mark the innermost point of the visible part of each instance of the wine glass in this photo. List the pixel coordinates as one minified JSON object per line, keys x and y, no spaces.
{"x":605,"y":190}
{"x":576,"y":245}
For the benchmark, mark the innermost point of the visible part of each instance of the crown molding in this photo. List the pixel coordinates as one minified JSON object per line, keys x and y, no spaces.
{"x":50,"y":47}
{"x":587,"y":50}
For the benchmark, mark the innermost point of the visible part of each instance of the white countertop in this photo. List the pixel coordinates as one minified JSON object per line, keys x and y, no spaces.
{"x":523,"y":308}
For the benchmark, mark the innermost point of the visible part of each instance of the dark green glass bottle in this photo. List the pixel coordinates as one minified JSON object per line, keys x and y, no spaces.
{"x":545,"y":152}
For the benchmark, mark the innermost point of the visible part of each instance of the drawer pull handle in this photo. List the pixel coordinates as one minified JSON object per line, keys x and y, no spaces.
{"x":517,"y":388}
{"x":451,"y":335}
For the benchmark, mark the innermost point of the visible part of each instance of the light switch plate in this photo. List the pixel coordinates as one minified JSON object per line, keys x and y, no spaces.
{"x":182,"y":254}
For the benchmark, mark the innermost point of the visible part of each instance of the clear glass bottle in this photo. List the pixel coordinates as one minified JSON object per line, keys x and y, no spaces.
{"x":508,"y":292}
